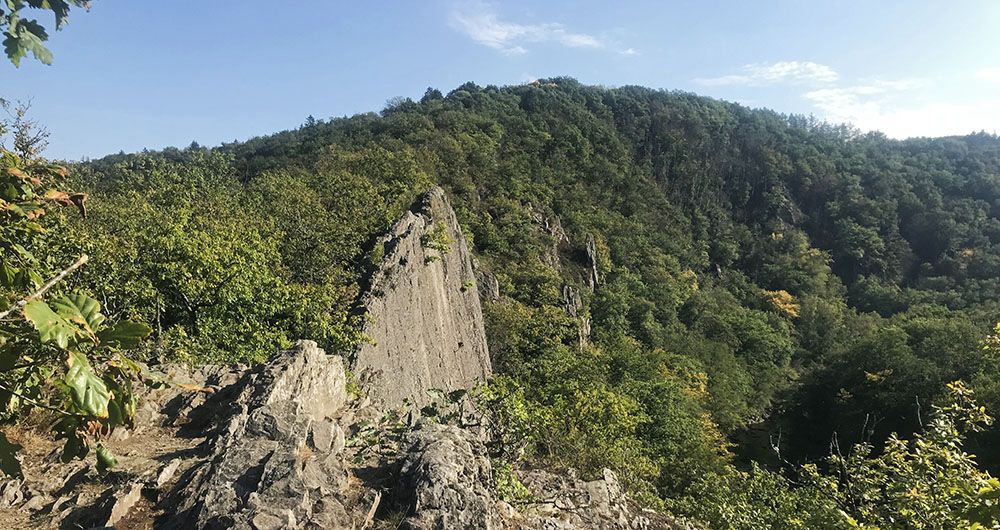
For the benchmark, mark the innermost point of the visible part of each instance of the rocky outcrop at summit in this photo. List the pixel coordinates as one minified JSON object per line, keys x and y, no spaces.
{"x":423,"y":312}
{"x":281,"y":446}
{"x":447,"y":478}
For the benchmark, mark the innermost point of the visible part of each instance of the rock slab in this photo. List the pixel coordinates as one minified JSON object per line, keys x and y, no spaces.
{"x":423,"y":311}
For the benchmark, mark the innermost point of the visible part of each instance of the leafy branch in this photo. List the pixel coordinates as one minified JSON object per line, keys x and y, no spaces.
{"x":64,"y":355}
{"x":23,"y":35}
{"x":45,"y":288}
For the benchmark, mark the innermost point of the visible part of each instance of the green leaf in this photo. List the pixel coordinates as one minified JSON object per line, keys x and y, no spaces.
{"x":456,"y":395}
{"x":124,"y":334}
{"x":88,"y":391}
{"x":13,"y":49}
{"x":32,"y":35}
{"x":58,"y":7}
{"x":80,"y":309}
{"x":9,"y":462}
{"x":50,"y":326}
{"x":75,"y":447}
{"x":22,"y":252}
{"x":121,"y":408}
{"x":8,"y":355}
{"x":7,"y":275}
{"x":105,"y":460}
{"x":34,"y":278}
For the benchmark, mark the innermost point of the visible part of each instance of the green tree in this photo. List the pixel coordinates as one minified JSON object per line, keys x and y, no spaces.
{"x":928,"y":482}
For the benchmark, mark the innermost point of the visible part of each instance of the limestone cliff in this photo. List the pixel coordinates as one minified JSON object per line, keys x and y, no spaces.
{"x":422,"y":310}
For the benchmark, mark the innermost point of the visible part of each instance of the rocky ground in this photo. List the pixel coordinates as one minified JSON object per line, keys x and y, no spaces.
{"x":283,"y":445}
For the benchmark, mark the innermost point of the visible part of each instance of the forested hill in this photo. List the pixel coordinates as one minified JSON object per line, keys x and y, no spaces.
{"x":736,"y":268}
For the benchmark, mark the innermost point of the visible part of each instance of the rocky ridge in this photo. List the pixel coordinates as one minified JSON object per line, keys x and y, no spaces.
{"x":287,"y":444}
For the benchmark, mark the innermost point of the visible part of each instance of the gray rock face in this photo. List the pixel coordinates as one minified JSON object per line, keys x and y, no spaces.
{"x":569,"y":502}
{"x":489,"y":287}
{"x":268,"y":451}
{"x":448,"y":479}
{"x":593,"y":276}
{"x":423,"y":311}
{"x":551,"y":227}
{"x":273,"y":459}
{"x":573,"y":305}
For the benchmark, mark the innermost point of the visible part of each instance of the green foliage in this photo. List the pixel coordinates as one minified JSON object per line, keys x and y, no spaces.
{"x":23,"y":35}
{"x":749,"y":500}
{"x":186,"y":250}
{"x":437,"y":239}
{"x":446,"y":407}
{"x":378,"y":437}
{"x":507,"y":485}
{"x":589,"y":410}
{"x":927,"y":482}
{"x":9,"y":463}
{"x":61,"y":355}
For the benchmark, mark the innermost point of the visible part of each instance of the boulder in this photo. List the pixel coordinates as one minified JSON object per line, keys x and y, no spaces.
{"x":447,"y":478}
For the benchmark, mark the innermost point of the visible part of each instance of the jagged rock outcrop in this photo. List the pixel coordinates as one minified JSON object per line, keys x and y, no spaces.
{"x":275,"y":446}
{"x":284,"y":445}
{"x":423,"y":312}
{"x":489,"y":286}
{"x":265,"y":450}
{"x":573,"y":305}
{"x":269,"y":451}
{"x":553,"y":229}
{"x":593,"y":275}
{"x":447,"y":478}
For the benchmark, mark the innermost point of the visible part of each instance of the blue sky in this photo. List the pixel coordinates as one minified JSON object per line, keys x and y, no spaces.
{"x":132,"y":74}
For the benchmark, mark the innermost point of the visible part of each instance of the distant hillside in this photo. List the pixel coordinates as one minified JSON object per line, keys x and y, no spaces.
{"x":662,"y":270}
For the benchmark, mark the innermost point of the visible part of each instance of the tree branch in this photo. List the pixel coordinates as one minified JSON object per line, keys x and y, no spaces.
{"x":34,"y":402}
{"x":48,"y":285}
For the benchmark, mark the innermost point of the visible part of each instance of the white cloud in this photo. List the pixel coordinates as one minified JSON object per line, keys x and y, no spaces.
{"x":900,"y":108}
{"x":629,"y":52}
{"x":990,"y":74}
{"x":845,"y":101}
{"x":897,"y":109}
{"x":480,"y":23}
{"x":760,"y":74}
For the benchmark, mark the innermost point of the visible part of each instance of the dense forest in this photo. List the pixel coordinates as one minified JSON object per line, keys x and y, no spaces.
{"x":731,"y":307}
